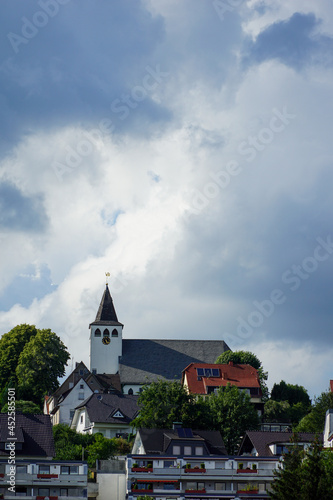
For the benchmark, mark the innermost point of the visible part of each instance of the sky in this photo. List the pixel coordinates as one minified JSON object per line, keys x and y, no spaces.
{"x":183,"y":146}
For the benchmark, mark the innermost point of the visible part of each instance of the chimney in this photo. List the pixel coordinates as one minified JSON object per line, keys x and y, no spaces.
{"x":231,"y":363}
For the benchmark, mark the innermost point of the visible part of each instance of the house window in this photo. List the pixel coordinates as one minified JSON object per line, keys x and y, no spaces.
{"x":98,"y":332}
{"x":81,"y":396}
{"x":130,"y":392}
{"x":187,"y":450}
{"x":94,"y":371}
{"x":199,"y":450}
{"x":81,"y":386}
{"x":63,"y":492}
{"x":74,"y":469}
{"x":176,"y":450}
{"x":81,"y":372}
{"x":114,"y":333}
{"x":44,"y":469}
{"x":71,"y":414}
{"x":21,"y":469}
{"x":106,"y":333}
{"x":64,"y":469}
{"x":220,"y":486}
{"x":43,"y":492}
{"x":81,"y":419}
{"x":21,"y":491}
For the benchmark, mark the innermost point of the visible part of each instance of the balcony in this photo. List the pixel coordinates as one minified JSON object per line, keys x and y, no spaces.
{"x":247,"y":471}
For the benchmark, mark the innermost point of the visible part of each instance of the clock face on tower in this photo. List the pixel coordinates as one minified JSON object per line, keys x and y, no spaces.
{"x":106,"y":340}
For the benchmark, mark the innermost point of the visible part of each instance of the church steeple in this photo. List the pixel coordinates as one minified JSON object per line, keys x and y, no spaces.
{"x":105,"y":337}
{"x":106,"y":313}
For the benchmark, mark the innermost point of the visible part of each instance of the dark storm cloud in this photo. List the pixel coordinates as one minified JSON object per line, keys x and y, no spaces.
{"x":293,"y":42}
{"x":73,"y":68}
{"x":19,"y":212}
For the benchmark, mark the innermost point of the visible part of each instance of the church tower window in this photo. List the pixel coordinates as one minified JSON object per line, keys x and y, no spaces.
{"x":97,"y":332}
{"x":106,"y":333}
{"x":114,"y":333}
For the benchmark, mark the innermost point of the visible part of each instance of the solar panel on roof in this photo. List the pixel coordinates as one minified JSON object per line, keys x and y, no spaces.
{"x":181,"y":432}
{"x":208,"y":372}
{"x":216,"y":372}
{"x":188,"y":433}
{"x":200,"y":372}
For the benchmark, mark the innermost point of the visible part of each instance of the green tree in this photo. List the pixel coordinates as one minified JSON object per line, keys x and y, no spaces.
{"x":162,"y":403}
{"x":232,"y":414}
{"x":69,"y":443}
{"x":101,"y":449}
{"x":277,"y":411}
{"x":288,"y":477}
{"x":316,"y":484}
{"x":23,"y":407}
{"x":246,"y":358}
{"x":314,"y":421}
{"x":305,"y":475}
{"x":11,"y":346}
{"x":292,"y":393}
{"x":40,"y":363}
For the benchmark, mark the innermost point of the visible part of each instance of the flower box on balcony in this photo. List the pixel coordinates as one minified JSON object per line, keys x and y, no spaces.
{"x":142,"y":469}
{"x":42,"y":498}
{"x":195,"y":491}
{"x":251,"y":492}
{"x":247,"y":471}
{"x":195,"y":470}
{"x":141,"y":491}
{"x":47,"y":476}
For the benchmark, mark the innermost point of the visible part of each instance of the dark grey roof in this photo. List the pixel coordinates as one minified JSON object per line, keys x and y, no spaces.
{"x":102,"y":407}
{"x":34,"y":433}
{"x":157,"y":441}
{"x":150,"y":360}
{"x":106,"y":314}
{"x":261,"y":440}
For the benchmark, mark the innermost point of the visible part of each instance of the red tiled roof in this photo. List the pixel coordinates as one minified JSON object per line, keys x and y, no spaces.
{"x":244,"y":376}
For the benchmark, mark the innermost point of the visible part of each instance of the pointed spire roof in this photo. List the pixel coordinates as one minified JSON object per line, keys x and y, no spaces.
{"x":106,"y":314}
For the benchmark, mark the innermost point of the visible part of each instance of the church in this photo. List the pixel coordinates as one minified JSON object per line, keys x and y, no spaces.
{"x":122,"y":366}
{"x":138,"y":361}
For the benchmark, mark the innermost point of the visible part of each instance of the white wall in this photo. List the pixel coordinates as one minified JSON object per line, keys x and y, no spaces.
{"x":111,"y":486}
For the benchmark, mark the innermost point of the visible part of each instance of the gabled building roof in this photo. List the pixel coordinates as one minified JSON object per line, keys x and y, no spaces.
{"x":259,"y":442}
{"x":101,"y":408}
{"x":158,"y":441}
{"x":104,"y":383}
{"x":148,"y":360}
{"x":34,"y":436}
{"x":201,"y":378}
{"x":106,"y":314}
{"x":80,"y":371}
